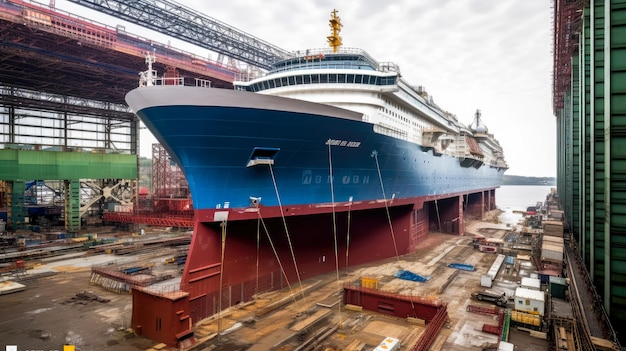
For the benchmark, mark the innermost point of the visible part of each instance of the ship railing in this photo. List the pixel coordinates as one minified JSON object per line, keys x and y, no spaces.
{"x":314,"y":59}
{"x":317,"y":52}
{"x":198,"y":82}
{"x":202,"y":83}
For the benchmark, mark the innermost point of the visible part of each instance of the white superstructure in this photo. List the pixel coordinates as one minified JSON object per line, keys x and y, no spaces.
{"x":351,"y":79}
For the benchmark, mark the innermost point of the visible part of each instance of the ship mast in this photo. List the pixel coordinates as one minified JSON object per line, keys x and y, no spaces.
{"x":334,"y":40}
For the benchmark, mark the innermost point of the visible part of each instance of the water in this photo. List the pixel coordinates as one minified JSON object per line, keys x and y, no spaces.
{"x":519,"y":197}
{"x":514,"y":199}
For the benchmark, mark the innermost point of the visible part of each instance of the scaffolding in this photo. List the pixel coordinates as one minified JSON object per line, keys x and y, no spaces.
{"x":567,"y":23}
{"x":169,"y":185}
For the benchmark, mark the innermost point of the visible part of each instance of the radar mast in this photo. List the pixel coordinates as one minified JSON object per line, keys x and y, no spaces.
{"x":334,"y":40}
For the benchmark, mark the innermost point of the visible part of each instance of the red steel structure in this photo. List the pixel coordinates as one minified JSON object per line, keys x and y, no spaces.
{"x":433,"y":312}
{"x":170,"y":204}
{"x":42,"y":44}
{"x":567,"y":21}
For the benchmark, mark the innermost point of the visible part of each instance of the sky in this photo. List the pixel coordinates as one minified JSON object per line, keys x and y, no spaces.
{"x":495,"y":56}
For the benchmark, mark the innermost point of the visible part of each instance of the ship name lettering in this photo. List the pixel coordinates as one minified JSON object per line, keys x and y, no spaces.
{"x":347,"y":179}
{"x":343,"y":143}
{"x":306,"y":178}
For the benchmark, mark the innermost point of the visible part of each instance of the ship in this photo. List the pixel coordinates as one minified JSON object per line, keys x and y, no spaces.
{"x":329,"y":159}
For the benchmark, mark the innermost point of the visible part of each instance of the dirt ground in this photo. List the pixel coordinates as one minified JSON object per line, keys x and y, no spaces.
{"x":43,"y":318}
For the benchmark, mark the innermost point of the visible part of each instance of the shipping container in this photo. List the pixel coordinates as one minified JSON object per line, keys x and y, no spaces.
{"x":551,"y":252}
{"x":558,"y":287}
{"x":531,"y":283}
{"x":526,"y":319}
{"x":531,"y":301}
{"x":486,"y":281}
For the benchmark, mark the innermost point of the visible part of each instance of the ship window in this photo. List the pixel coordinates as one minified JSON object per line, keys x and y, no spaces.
{"x":273,"y":83}
{"x":266,"y":85}
{"x":350,"y":78}
{"x":298,"y":79}
{"x":284,"y":82}
{"x":386,"y":80}
{"x":292,"y":80}
{"x":332,"y":78}
{"x":307,"y":79}
{"x":341,"y":78}
{"x":358,"y":78}
{"x":323,"y":78}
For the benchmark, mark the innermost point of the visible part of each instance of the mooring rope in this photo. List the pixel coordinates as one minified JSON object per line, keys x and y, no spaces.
{"x":258,"y":243}
{"x":382,"y":186}
{"x":348,"y":232}
{"x":332,"y":197}
{"x":280,"y":264}
{"x":219,"y":307}
{"x":282,"y":215}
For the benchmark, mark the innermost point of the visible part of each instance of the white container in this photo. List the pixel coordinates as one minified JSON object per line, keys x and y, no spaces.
{"x":389,"y":344}
{"x":530,"y":301}
{"x":486,"y":281}
{"x":531,"y":283}
{"x":505,"y":346}
{"x":551,"y":253}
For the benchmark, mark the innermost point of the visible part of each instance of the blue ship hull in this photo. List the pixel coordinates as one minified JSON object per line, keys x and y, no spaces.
{"x":214,"y":144}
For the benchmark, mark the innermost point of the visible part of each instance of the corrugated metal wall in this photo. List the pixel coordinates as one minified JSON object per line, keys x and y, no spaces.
{"x":592,"y":151}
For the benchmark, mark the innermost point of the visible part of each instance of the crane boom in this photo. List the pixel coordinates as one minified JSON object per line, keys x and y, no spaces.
{"x":191,"y":26}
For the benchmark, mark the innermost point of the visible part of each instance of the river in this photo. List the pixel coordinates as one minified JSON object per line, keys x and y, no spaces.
{"x":515,"y":198}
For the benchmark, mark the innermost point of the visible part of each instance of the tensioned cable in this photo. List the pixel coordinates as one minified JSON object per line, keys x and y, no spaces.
{"x":382,"y":186}
{"x":258,"y":241}
{"x":282,"y":215}
{"x":348,"y":233}
{"x":219,"y":308}
{"x":280,"y":264}
{"x":438,"y":218}
{"x":332,"y":199}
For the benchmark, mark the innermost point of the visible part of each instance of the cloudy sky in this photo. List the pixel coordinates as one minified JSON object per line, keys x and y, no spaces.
{"x":495,"y":56}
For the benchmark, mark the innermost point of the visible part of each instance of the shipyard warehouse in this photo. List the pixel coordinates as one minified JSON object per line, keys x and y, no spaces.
{"x":272,"y":216}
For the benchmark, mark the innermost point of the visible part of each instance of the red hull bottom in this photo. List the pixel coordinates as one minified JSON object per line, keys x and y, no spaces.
{"x":256,"y":243}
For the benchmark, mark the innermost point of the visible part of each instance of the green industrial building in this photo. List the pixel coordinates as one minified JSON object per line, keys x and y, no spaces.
{"x":590,"y":107}
{"x":74,"y":157}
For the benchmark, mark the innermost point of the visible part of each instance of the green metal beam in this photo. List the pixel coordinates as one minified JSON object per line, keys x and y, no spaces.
{"x":615,"y":149}
{"x":55,"y":165}
{"x":16,"y":201}
{"x":72,"y":206}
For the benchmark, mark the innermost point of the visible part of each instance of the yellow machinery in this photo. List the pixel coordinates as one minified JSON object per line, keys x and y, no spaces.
{"x":334,"y":40}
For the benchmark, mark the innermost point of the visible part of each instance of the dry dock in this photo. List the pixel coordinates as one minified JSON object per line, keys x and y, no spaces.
{"x":54,"y":310}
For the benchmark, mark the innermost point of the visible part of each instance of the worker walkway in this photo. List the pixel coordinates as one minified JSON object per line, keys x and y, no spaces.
{"x":586,"y":299}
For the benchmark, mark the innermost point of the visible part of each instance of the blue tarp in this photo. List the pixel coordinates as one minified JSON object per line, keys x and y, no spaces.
{"x":463,"y":266}
{"x":406,"y":275}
